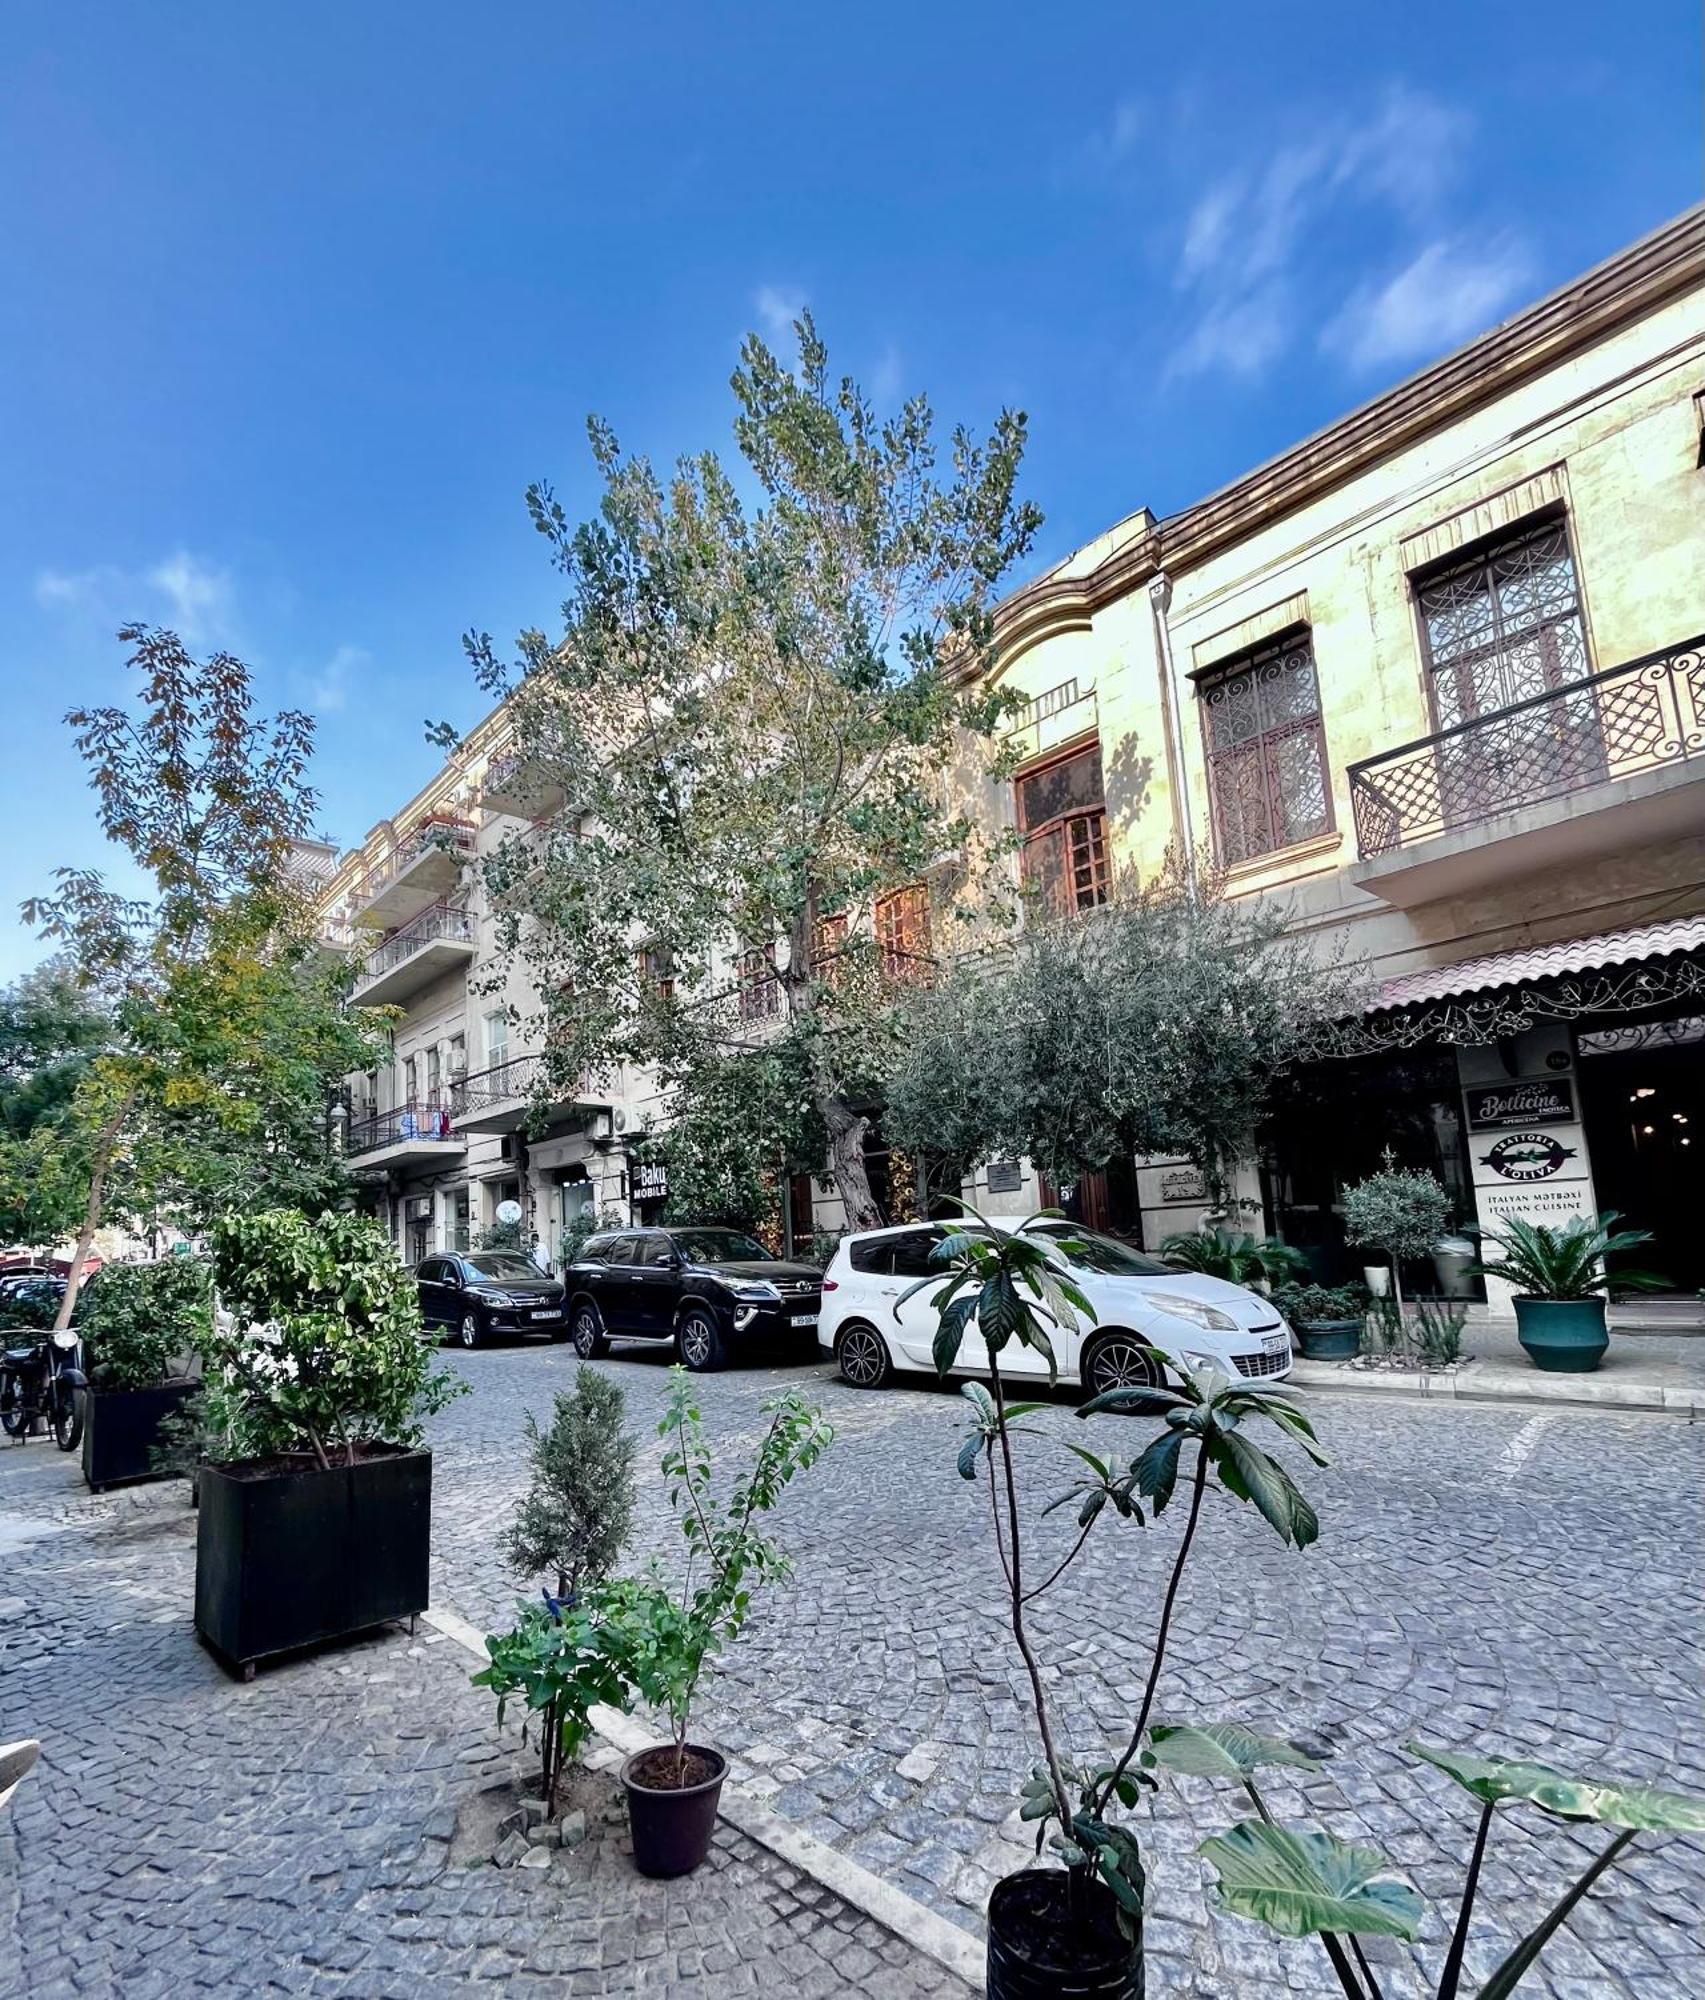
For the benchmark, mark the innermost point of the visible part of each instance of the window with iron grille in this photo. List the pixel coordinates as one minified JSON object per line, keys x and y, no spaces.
{"x":1062,"y":818}
{"x":902,"y":932}
{"x":828,"y":941}
{"x":759,"y":997}
{"x":1503,"y":624}
{"x":657,"y":971}
{"x":1266,"y":752}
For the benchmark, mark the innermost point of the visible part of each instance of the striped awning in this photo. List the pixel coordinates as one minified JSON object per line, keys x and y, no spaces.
{"x":1506,"y":969}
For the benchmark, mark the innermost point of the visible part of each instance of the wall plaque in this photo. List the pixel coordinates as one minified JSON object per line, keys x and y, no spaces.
{"x":1533,"y":1100}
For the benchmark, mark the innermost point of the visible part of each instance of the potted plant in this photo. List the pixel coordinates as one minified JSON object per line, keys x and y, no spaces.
{"x":1560,"y":1280}
{"x":317,"y":1524}
{"x":1327,"y":1318}
{"x":1236,"y":1256}
{"x":663,"y":1633}
{"x":1078,"y":1928}
{"x":571,"y":1525}
{"x":142,"y":1326}
{"x":1401,"y":1211}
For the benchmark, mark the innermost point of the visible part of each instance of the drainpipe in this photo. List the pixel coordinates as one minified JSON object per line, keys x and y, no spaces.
{"x":1160,"y":603}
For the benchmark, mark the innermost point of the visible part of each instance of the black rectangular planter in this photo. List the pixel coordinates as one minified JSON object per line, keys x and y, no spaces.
{"x":288,"y":1559}
{"x":121,"y":1427}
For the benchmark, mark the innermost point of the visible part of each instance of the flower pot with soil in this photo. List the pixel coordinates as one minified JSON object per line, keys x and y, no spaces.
{"x":1560,"y":1278}
{"x":1327,"y":1319}
{"x":141,"y":1325}
{"x":318,"y":1525}
{"x":1042,"y":1948}
{"x":672,"y":1798}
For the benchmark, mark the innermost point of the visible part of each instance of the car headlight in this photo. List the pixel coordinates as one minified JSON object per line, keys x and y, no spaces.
{"x":1210,"y":1318}
{"x":758,"y":1290}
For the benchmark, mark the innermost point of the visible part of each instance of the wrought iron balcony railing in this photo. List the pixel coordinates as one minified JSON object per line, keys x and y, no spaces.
{"x":438,"y":922}
{"x":1637,"y":717}
{"x":452,"y":836}
{"x":405,"y":1121}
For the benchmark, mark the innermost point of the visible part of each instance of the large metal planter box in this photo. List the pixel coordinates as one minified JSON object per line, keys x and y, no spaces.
{"x":121,"y":1427}
{"x":287,"y":1558}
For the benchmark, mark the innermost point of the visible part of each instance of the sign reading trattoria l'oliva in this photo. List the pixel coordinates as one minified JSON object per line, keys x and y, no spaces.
{"x":1533,"y":1100}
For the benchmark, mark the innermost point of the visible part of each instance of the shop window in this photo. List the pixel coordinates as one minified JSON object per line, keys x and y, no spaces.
{"x":903,"y":933}
{"x":1266,"y":751}
{"x":1062,"y":820}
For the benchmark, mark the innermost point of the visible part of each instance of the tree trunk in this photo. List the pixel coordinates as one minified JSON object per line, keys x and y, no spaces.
{"x":847,"y":1129}
{"x":106,"y":1145}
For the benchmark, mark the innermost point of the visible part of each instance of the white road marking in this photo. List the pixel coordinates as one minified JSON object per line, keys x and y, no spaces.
{"x":1522,"y":1446}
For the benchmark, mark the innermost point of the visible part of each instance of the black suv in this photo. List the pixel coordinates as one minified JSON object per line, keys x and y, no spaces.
{"x":707,"y":1290}
{"x":475,"y":1294}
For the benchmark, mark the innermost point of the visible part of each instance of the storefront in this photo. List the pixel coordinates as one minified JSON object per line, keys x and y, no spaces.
{"x":1563,"y":1081}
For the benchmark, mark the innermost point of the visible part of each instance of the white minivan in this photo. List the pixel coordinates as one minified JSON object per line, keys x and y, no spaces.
{"x":1139,"y":1303}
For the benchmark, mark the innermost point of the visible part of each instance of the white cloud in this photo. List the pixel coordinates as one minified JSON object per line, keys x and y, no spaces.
{"x":194,"y":597}
{"x":888,"y":379}
{"x":1110,"y":145}
{"x":778,"y":306}
{"x":328,"y":690}
{"x":1252,"y":245}
{"x":1454,"y":288}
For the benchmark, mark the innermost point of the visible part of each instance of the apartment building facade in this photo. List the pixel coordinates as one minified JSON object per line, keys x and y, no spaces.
{"x":1434,"y":678}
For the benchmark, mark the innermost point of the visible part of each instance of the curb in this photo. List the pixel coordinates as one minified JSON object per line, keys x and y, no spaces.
{"x":1504,"y":1386}
{"x":931,"y":1935}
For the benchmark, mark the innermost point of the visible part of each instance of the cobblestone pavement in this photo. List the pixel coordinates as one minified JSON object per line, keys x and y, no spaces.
{"x":185,"y":1832}
{"x":1487,"y":1577}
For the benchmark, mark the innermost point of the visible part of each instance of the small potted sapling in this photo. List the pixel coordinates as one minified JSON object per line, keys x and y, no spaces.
{"x":571,"y":1526}
{"x":1560,"y":1279}
{"x":143,"y":1325}
{"x":664,"y":1633}
{"x":1401,"y":1211}
{"x":1077,"y":1928}
{"x":317,"y":1525}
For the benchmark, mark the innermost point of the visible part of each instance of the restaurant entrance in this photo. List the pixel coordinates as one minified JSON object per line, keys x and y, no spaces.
{"x":1643,"y":1107}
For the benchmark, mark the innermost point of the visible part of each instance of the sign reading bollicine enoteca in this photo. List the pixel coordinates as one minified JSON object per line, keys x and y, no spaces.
{"x":1530,"y":1100}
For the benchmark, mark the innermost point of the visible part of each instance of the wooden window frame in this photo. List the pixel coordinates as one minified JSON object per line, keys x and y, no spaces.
{"x":1082,"y":831}
{"x":760,"y":991}
{"x":904,"y":944}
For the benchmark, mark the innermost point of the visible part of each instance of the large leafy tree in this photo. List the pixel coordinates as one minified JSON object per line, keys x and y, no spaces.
{"x":1153,"y":1025}
{"x":759,"y":688}
{"x":50,"y":1031}
{"x":223,"y":1037}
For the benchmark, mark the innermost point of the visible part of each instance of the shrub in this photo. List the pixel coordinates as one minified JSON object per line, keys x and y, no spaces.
{"x":1567,"y":1262}
{"x":322,"y":1350}
{"x":1313,"y":1305}
{"x":1400,"y":1210}
{"x":137,"y":1320}
{"x":1238,"y":1257}
{"x":573,"y":1519}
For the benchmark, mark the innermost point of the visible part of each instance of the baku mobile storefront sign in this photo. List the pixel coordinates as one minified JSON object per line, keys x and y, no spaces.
{"x":1539,"y":1100}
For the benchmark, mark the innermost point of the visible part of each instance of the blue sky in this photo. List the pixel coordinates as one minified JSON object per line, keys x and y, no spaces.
{"x":298,"y":300}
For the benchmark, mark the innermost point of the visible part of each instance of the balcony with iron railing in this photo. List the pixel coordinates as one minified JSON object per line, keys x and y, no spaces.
{"x":423,"y":867}
{"x":439,"y":940}
{"x":1603,"y":762}
{"x":423,"y":1131}
{"x":501,"y":1098}
{"x":519,"y":782}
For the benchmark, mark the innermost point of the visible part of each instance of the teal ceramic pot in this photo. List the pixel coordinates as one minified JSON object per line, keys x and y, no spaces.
{"x":1331,"y":1339}
{"x":1563,"y":1336}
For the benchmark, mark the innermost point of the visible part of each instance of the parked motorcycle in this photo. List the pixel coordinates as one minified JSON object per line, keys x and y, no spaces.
{"x":41,"y":1383}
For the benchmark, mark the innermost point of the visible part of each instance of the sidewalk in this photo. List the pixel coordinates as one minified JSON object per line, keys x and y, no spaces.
{"x":1641,"y":1371}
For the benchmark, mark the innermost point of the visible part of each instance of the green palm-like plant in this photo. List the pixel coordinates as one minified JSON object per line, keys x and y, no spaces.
{"x":1014,"y":1286}
{"x":1239,"y":1258}
{"x":1567,"y":1262}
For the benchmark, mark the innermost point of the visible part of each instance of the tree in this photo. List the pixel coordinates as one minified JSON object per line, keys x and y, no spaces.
{"x":223,"y":1041}
{"x":752,"y":711}
{"x":50,"y":1031}
{"x":1152,"y":1025}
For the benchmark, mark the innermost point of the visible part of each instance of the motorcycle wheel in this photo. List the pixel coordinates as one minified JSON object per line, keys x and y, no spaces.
{"x":68,"y":1420}
{"x":14,"y":1414}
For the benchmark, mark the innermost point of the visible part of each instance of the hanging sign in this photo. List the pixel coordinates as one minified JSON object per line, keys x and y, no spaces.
{"x":1534,"y":1100}
{"x":648,"y":1180}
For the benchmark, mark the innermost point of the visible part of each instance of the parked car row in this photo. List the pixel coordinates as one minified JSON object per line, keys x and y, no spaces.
{"x":717,"y":1295}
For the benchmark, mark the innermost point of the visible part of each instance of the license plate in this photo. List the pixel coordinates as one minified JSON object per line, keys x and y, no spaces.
{"x":1275,"y":1343}
{"x":805,"y":1319}
{"x":552,"y":1314}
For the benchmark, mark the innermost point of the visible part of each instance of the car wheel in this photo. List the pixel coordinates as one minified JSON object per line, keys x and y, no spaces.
{"x":590,"y":1339}
{"x":1121,"y":1361}
{"x":472,"y":1332}
{"x":862,"y":1356}
{"x":699,"y":1342}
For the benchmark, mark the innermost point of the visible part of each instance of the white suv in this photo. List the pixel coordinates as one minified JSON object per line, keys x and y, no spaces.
{"x":1139,"y":1303}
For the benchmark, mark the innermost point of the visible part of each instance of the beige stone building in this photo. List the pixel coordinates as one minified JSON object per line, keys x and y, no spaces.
{"x":1434,"y":677}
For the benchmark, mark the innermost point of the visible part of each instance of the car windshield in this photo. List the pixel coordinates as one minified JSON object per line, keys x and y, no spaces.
{"x":720,"y":1246}
{"x":1104,"y":1254}
{"x":503,"y":1264}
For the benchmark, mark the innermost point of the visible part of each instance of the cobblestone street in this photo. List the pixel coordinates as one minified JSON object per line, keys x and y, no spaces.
{"x":1486,"y":1577}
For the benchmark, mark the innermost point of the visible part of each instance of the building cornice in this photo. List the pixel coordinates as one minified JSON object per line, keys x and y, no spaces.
{"x":1615,"y":295}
